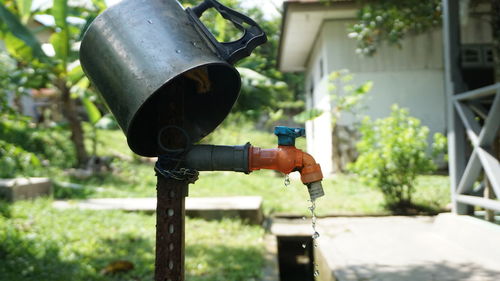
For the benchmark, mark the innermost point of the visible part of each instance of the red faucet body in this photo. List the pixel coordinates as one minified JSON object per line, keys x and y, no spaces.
{"x":285,"y":159}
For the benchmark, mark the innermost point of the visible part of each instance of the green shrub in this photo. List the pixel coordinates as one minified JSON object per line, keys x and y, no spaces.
{"x":15,"y":161}
{"x":393,"y":151}
{"x":23,"y":147}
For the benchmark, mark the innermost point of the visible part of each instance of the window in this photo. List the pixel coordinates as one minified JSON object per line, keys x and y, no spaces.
{"x":476,"y":56}
{"x":311,"y":91}
{"x":488,"y":55}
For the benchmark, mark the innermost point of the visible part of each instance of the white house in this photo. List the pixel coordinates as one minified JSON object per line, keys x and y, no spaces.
{"x":314,"y":40}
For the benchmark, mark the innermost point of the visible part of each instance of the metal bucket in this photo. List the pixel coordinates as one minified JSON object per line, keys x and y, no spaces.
{"x":156,"y":65}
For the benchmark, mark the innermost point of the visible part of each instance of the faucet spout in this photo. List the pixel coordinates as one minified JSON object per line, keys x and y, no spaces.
{"x":287,"y":159}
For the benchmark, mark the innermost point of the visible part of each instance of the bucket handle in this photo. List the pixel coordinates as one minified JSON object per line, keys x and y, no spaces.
{"x":234,"y":51}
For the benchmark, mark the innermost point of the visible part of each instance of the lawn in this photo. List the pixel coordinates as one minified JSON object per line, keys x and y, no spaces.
{"x":345,"y":194}
{"x":41,"y":243}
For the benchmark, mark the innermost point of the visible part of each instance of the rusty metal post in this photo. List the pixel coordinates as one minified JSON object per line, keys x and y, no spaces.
{"x":170,"y":229}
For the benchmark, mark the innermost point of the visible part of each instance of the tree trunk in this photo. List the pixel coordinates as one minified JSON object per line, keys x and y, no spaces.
{"x":336,"y":154}
{"x":18,"y":104}
{"x":70,"y":112}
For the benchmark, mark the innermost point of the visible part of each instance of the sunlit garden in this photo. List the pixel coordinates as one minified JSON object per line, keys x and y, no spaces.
{"x":54,"y":124}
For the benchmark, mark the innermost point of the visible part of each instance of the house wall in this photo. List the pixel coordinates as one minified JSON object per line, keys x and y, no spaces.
{"x":318,"y":130}
{"x":411,"y":76}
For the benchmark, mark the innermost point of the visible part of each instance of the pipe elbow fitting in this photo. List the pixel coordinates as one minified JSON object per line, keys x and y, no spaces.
{"x":286,"y":159}
{"x":311,"y":171}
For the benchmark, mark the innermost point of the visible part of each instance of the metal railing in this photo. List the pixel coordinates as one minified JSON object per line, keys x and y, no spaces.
{"x":479,"y":112}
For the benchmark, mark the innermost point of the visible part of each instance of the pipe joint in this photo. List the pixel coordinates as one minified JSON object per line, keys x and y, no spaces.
{"x":247,"y":158}
{"x":286,"y":159}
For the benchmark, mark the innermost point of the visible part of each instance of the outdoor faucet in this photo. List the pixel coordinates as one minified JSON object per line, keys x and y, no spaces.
{"x":286,"y":158}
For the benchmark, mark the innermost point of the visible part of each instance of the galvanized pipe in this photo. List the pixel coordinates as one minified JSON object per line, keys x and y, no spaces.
{"x":218,"y":158}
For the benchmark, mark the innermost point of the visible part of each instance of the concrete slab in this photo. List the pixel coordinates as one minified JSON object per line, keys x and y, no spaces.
{"x":404,"y":248}
{"x":24,"y":188}
{"x":472,"y":234}
{"x":245,"y":207}
{"x":291,"y":227}
{"x":270,"y":271}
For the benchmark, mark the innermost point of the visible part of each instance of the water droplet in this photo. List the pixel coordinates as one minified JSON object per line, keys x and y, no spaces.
{"x":303,"y":218}
{"x":150,"y":21}
{"x":171,"y":246}
{"x":316,"y":273}
{"x":172,"y":194}
{"x":171,"y":229}
{"x":315,"y":235}
{"x":178,"y":51}
{"x":287,"y":180}
{"x":170,"y":212}
{"x":304,"y":245}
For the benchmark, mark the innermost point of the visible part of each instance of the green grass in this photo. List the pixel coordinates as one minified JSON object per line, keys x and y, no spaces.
{"x":38,"y":242}
{"x":42,"y":243}
{"x":345,"y":194}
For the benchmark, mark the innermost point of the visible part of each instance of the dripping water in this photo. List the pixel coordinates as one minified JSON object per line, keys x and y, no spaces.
{"x":315,"y":232}
{"x":315,"y":235}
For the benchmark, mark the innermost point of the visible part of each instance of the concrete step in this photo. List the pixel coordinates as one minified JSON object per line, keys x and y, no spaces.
{"x":445,"y":248}
{"x":245,"y":207}
{"x":472,"y":234}
{"x":24,"y":188}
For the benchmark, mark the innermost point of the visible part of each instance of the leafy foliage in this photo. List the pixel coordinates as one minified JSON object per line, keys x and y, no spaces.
{"x":15,"y":161}
{"x":50,"y":146}
{"x":16,"y":80}
{"x":38,"y":67}
{"x":393,"y":153}
{"x":345,"y":97}
{"x":391,"y":21}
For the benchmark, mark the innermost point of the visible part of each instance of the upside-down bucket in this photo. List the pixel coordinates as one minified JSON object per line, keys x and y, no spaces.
{"x":156,"y":65}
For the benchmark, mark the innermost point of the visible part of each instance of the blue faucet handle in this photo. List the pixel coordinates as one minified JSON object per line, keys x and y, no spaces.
{"x":287,"y":135}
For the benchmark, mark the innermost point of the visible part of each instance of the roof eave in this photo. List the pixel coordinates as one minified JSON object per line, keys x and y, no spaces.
{"x":307,"y":6}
